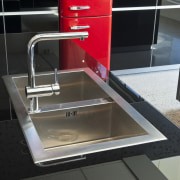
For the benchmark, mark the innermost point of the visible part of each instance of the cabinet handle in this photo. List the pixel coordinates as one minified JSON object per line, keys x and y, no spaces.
{"x":79,"y":27}
{"x":74,"y":8}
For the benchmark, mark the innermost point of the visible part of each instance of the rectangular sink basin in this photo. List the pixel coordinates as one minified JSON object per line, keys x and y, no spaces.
{"x":87,"y":117}
{"x":86,"y":124}
{"x":76,"y":86}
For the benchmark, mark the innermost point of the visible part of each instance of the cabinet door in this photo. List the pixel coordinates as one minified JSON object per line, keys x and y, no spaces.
{"x":98,"y":43}
{"x":85,"y":8}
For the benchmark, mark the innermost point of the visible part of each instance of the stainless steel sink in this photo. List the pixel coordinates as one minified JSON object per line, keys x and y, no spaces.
{"x":84,"y":124}
{"x":75,"y":86}
{"x":87,"y":117}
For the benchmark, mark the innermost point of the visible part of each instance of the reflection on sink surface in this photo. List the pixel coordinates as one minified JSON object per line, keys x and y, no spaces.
{"x":76,"y":86}
{"x":85,"y":124}
{"x":87,"y":117}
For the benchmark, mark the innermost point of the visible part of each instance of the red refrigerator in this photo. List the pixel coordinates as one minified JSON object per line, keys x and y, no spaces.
{"x":94,"y":16}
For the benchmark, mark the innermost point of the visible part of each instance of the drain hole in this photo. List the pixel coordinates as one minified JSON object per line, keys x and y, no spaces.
{"x":71,"y":113}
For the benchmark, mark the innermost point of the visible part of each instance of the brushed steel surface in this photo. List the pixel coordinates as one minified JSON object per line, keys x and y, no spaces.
{"x":47,"y":37}
{"x":31,"y":66}
{"x":79,"y":27}
{"x":75,"y":8}
{"x":96,"y":123}
{"x":87,"y":117}
{"x":76,"y":86}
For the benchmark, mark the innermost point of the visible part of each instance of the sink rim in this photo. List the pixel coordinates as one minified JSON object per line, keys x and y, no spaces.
{"x":41,"y":156}
{"x":108,"y":126}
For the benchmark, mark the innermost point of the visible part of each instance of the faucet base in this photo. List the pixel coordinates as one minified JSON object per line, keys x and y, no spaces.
{"x":43,"y":90}
{"x":33,"y":111}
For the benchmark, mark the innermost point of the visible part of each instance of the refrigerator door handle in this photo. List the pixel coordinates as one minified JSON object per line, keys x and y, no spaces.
{"x":79,"y":27}
{"x":74,"y":8}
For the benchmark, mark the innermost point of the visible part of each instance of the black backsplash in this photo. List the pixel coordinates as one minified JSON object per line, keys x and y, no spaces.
{"x":132,"y":28}
{"x":38,"y":3}
{"x":131,"y":31}
{"x":134,"y":3}
{"x":13,"y":43}
{"x":133,"y":34}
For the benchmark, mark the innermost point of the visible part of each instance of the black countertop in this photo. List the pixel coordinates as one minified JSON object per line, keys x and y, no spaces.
{"x":16,"y":161}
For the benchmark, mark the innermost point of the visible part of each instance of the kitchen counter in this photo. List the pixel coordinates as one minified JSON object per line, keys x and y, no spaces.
{"x":16,"y":160}
{"x":157,"y":85}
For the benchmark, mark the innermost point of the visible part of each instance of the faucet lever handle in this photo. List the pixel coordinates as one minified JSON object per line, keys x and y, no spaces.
{"x":55,"y":76}
{"x":55,"y":86}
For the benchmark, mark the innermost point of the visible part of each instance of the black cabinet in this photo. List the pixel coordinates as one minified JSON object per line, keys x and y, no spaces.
{"x":132,"y":28}
{"x":38,"y":3}
{"x":134,"y":3}
{"x":133,"y":33}
{"x":12,"y":23}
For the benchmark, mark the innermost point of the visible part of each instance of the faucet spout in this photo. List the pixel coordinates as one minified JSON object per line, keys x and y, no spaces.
{"x":46,"y":37}
{"x":33,"y":91}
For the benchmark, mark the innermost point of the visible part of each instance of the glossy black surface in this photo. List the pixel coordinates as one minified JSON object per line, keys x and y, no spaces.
{"x":133,"y":33}
{"x":1,"y":21}
{"x":132,"y":39}
{"x":135,"y":3}
{"x":132,"y":28}
{"x":15,"y":33}
{"x":166,"y":51}
{"x":12,"y":23}
{"x":4,"y":97}
{"x":178,"y":89}
{"x":38,"y":3}
{"x":130,"y":59}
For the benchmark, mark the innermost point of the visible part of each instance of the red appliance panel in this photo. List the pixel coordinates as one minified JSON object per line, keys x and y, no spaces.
{"x":84,"y":8}
{"x":74,"y":56}
{"x":98,"y":44}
